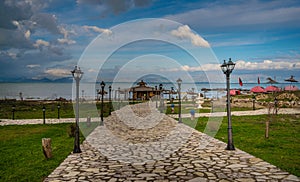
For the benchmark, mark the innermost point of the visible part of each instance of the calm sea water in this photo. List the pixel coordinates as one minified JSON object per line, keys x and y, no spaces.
{"x":55,"y":90}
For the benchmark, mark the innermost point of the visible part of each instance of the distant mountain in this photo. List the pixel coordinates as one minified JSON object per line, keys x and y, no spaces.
{"x":42,"y":80}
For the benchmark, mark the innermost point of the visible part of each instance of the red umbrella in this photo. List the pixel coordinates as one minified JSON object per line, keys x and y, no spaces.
{"x":272,"y":88}
{"x":257,"y":89}
{"x":235,"y":92}
{"x":291,"y":88}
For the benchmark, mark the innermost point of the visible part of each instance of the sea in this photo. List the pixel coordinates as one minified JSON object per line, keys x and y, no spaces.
{"x":51,"y":91}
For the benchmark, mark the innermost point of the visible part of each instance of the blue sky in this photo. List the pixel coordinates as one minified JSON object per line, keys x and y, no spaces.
{"x":46,"y":38}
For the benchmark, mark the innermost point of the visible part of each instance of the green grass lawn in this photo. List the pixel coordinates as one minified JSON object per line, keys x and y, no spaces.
{"x":281,"y":149}
{"x":21,"y":155}
{"x":33,"y":109}
{"x":22,"y":159}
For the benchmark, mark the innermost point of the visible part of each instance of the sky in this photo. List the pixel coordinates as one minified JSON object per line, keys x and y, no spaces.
{"x":46,"y":38}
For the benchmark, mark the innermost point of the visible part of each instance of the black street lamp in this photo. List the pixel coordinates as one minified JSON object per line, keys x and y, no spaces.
{"x":156,"y":95}
{"x":172,"y":91}
{"x":102,"y":84}
{"x":13,"y":108}
{"x":58,"y":109}
{"x":44,"y":115}
{"x":179,"y":81}
{"x":77,"y":75}
{"x":253,"y":102}
{"x":119,"y":97}
{"x":227,"y":68}
{"x":276,"y":105}
{"x":160,"y":97}
{"x":109,"y":98}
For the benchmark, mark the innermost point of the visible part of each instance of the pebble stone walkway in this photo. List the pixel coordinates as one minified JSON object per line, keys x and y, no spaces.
{"x":159,"y":151}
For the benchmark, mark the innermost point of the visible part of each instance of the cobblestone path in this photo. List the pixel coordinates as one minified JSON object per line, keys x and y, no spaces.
{"x":137,"y":143}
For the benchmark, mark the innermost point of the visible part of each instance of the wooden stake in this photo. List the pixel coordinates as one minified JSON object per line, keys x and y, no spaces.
{"x":267,"y":128}
{"x":47,"y":150}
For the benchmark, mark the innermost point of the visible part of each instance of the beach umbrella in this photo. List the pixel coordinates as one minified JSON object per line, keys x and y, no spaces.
{"x":271,"y":81}
{"x":291,"y":88}
{"x":235,"y":92}
{"x":257,"y":89}
{"x":291,"y":79}
{"x":272,"y":88}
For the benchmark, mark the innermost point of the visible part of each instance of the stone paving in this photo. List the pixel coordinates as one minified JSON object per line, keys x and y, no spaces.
{"x":145,"y":145}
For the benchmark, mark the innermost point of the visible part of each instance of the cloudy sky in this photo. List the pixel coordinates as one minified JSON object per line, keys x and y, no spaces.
{"x":46,"y":38}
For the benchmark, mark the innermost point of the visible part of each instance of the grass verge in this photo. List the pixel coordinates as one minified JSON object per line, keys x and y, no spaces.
{"x":281,"y":149}
{"x":21,"y":155}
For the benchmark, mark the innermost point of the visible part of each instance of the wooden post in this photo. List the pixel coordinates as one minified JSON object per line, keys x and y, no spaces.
{"x":267,"y":128}
{"x":268,"y":120}
{"x":88,"y":121}
{"x":47,"y":150}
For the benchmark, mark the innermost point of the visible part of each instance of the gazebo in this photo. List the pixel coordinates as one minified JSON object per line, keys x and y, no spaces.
{"x":142,"y":91}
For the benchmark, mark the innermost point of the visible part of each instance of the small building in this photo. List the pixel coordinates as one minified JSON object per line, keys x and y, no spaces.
{"x":143,"y":92}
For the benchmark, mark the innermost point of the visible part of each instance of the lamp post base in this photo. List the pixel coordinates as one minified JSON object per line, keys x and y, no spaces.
{"x":179,"y":120}
{"x":77,"y":150}
{"x":77,"y":140}
{"x":230,"y":147}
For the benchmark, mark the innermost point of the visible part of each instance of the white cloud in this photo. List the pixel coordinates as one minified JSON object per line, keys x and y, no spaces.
{"x":41,"y":42}
{"x":92,"y":70}
{"x":66,"y":41}
{"x":16,"y":23}
{"x":97,"y":29}
{"x":184,"y":32}
{"x":66,"y":34}
{"x":57,"y":72}
{"x":27,"y":34}
{"x":243,"y":65}
{"x":33,"y":66}
{"x":267,"y":65}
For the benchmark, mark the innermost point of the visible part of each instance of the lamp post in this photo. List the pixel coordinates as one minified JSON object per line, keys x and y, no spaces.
{"x":77,"y":75}
{"x":179,"y":81}
{"x":109,"y":98}
{"x":58,"y":108}
{"x":13,"y":108}
{"x":44,"y":115}
{"x":276,"y":105}
{"x":253,"y":102}
{"x":119,"y":97}
{"x":102,"y":84}
{"x":156,"y":96}
{"x":227,"y":68}
{"x":160,"y":97}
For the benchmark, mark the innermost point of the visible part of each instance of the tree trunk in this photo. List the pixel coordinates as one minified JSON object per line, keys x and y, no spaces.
{"x":47,"y":150}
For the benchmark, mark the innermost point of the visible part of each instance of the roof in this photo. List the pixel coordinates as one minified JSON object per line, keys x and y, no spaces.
{"x":291,"y":79}
{"x":291,"y":88}
{"x":257,"y":89}
{"x":142,"y":88}
{"x":235,"y":92}
{"x":272,"y":88}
